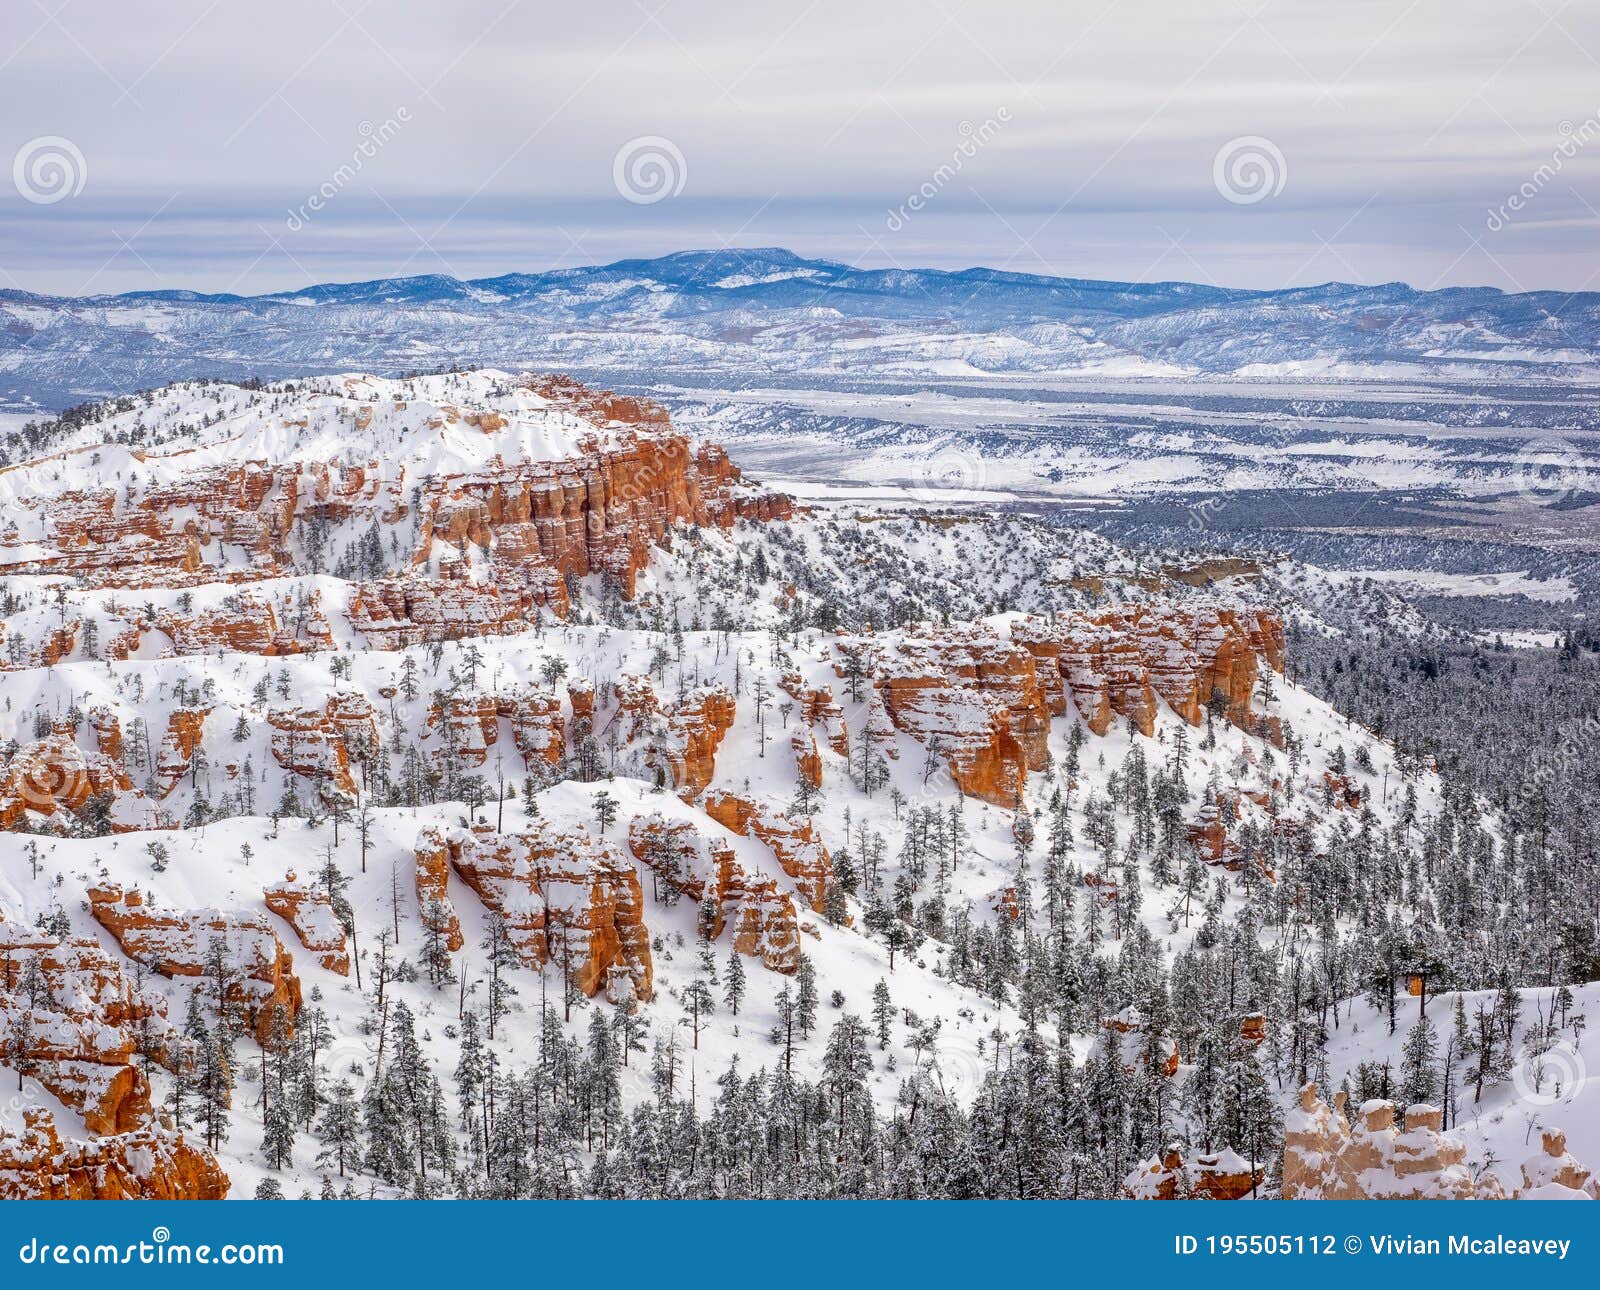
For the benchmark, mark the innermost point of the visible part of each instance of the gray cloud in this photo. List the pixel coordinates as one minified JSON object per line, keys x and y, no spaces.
{"x":1402,"y":128}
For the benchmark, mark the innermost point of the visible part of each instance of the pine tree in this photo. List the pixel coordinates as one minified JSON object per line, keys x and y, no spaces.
{"x":734,"y":989}
{"x":882,"y":1012}
{"x":806,"y":998}
{"x":1419,"y":1070}
{"x":339,"y":1128}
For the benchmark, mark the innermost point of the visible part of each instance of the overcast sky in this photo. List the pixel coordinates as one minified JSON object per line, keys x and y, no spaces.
{"x":180,"y":143}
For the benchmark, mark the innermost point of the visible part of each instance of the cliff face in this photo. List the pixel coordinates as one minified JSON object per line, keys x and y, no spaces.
{"x":498,"y":505}
{"x":77,"y":1026}
{"x":310,"y":911}
{"x":597,"y":513}
{"x":1117,"y":662}
{"x":972,"y":696}
{"x":257,"y":971}
{"x":708,"y":872}
{"x":794,"y":843}
{"x":54,"y":774}
{"x":565,"y":898}
{"x":981,"y":701}
{"x":75,"y":1018}
{"x":149,"y":1163}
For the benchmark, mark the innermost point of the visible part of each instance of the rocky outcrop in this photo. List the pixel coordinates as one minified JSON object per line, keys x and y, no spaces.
{"x":309,"y":910}
{"x":807,"y":758}
{"x":106,"y":727}
{"x":612,"y":490}
{"x":1116,"y":662}
{"x":679,"y":738}
{"x":982,"y":701}
{"x":185,"y":726}
{"x":565,"y":897}
{"x":974,"y":696}
{"x":599,"y":511}
{"x":1325,"y":1157}
{"x":152,"y":1162}
{"x":1128,"y":1036}
{"x":54,"y":774}
{"x":74,"y":1022}
{"x":1194,"y":1175}
{"x":817,"y":710}
{"x":392,"y":613}
{"x":536,"y":726}
{"x":248,"y":624}
{"x":317,"y":742}
{"x":695,"y":726}
{"x":468,"y":725}
{"x":762,"y":917}
{"x":1554,"y":1175}
{"x":794,"y":843}
{"x":258,"y":973}
{"x":433,"y":888}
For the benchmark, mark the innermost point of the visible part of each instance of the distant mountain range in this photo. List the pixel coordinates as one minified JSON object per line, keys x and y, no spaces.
{"x":772,"y":313}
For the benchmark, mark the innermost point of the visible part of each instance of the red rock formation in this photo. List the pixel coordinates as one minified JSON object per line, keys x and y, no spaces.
{"x":879,"y":732}
{"x":309,"y":910}
{"x":807,"y":758}
{"x":107,"y":728}
{"x":798,"y":849}
{"x":79,"y":1021}
{"x":632,"y":480}
{"x":307,"y":741}
{"x":1116,"y":662}
{"x":149,"y":1163}
{"x":392,"y":613}
{"x":1126,"y":1034}
{"x":536,"y":726}
{"x":680,"y":737}
{"x":597,"y":512}
{"x":246,"y":624}
{"x":565,"y":898}
{"x":176,"y":943}
{"x":763,"y":917}
{"x":580,"y":693}
{"x":469,"y":725}
{"x":975,"y":695}
{"x":817,"y":707}
{"x":58,"y":643}
{"x":1342,"y":790}
{"x":695,"y":726}
{"x":1554,"y":1175}
{"x":184,"y":729}
{"x":1203,"y":1175}
{"x":53,"y":774}
{"x":433,"y":887}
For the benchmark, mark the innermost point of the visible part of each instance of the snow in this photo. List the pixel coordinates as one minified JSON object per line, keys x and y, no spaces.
{"x":986,"y":561}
